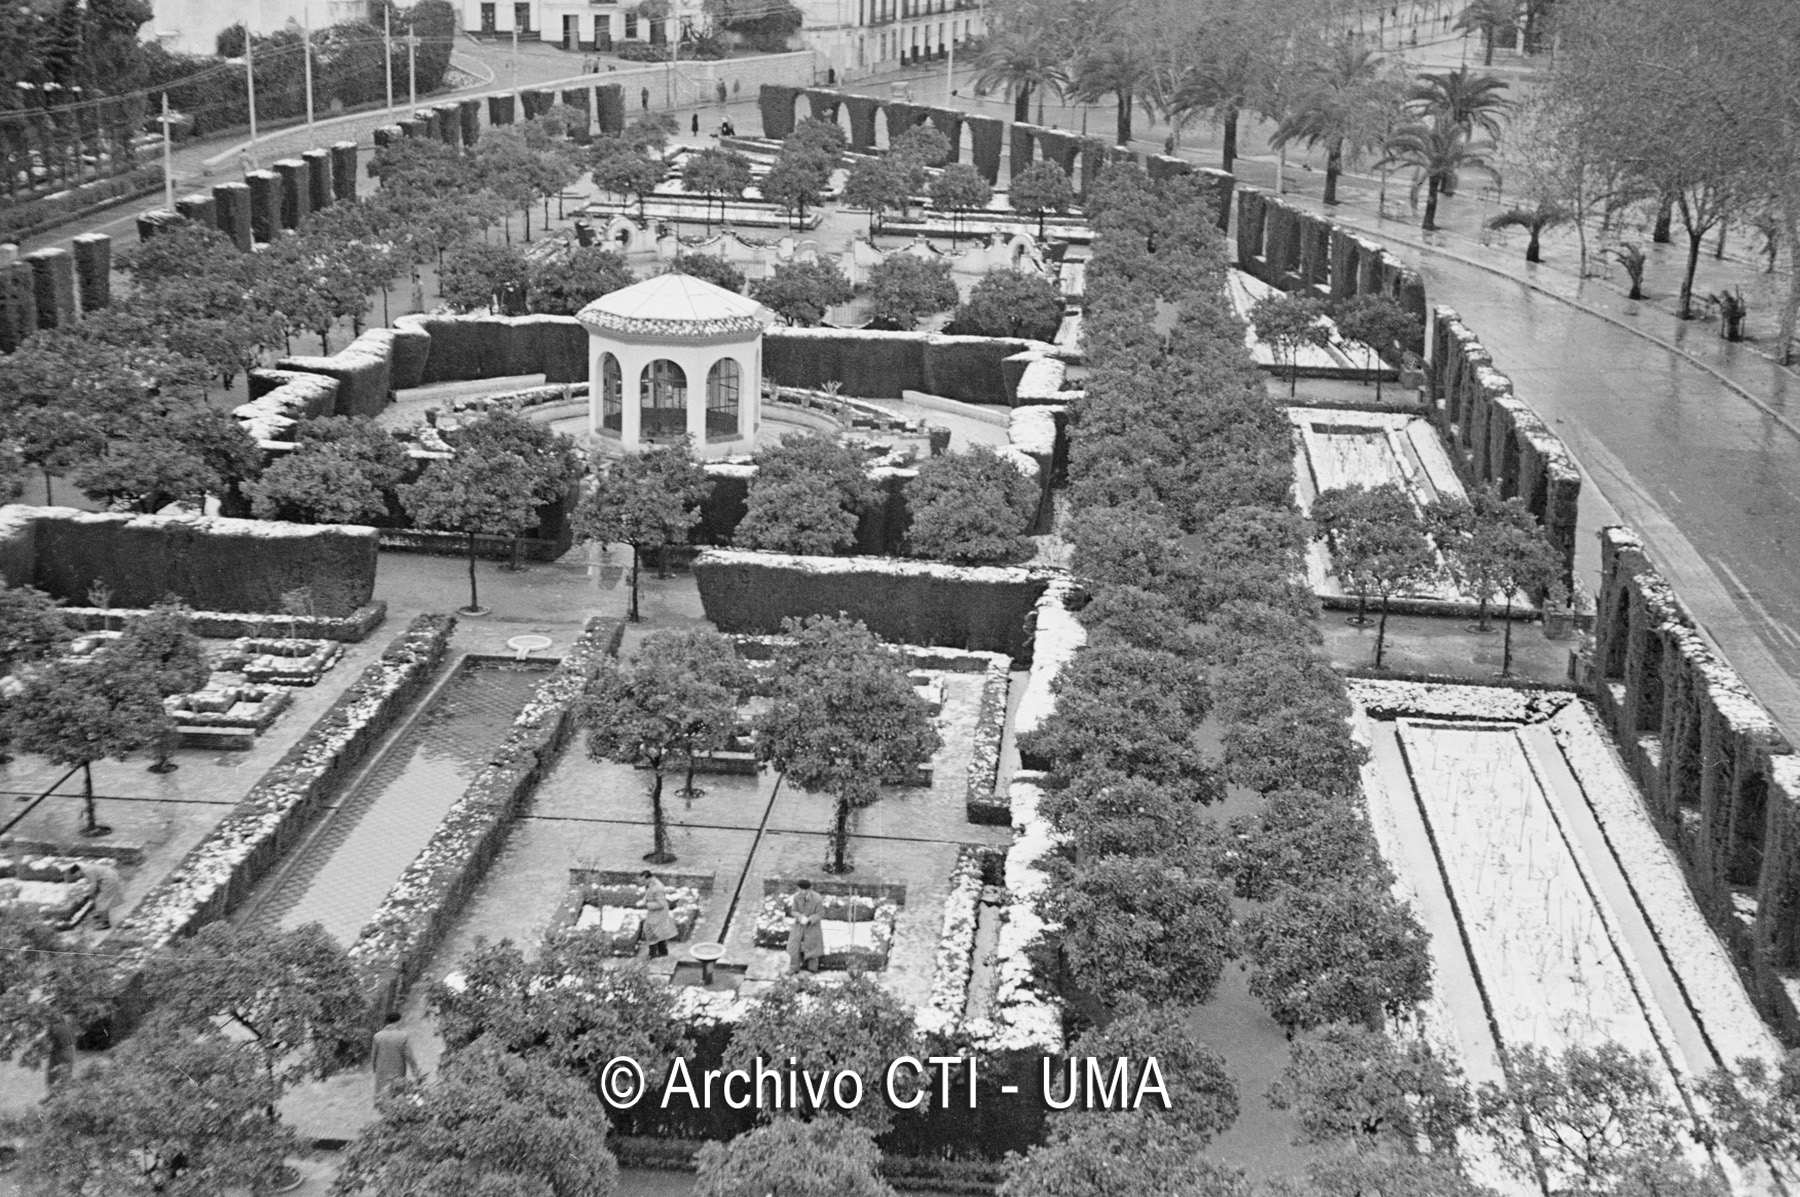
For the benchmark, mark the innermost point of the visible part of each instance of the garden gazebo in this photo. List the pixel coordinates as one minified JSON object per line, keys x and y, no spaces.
{"x":675,"y":356}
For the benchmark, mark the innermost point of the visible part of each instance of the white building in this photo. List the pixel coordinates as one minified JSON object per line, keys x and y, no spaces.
{"x":193,"y":26}
{"x":675,"y":356}
{"x":574,"y":24}
{"x":864,"y":37}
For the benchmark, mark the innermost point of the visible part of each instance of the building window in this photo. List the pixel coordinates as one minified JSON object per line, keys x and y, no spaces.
{"x":630,"y":26}
{"x":603,"y":32}
{"x":723,"y":383}
{"x":662,"y":401}
{"x":522,"y":17}
{"x":612,"y":395}
{"x":487,"y":18}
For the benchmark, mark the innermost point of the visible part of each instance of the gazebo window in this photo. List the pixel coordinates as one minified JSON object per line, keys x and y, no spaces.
{"x":662,"y":399}
{"x":612,"y":395}
{"x":723,"y":382}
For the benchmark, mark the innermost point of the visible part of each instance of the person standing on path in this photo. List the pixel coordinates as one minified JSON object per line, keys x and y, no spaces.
{"x":659,"y":923}
{"x":108,"y":895}
{"x":806,"y":938}
{"x":392,"y":1055}
{"x":696,"y":124}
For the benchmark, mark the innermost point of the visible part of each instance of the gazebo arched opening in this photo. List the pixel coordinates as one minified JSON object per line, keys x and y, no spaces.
{"x":612,"y":396}
{"x":724,"y":384}
{"x":662,"y":401}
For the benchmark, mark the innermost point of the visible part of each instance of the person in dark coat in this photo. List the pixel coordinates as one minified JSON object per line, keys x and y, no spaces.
{"x":659,"y":922}
{"x":695,"y":126}
{"x":392,"y":1055}
{"x":806,"y":938}
{"x":109,"y":893}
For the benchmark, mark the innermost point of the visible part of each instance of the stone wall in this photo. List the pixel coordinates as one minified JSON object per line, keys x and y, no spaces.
{"x":1494,"y":437}
{"x":1721,"y":782}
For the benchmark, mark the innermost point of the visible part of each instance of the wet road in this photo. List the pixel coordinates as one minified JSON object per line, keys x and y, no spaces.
{"x":1708,"y":479}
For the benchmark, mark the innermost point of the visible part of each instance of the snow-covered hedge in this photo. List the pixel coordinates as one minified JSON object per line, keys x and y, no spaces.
{"x":984,"y":756}
{"x":982,"y":608}
{"x":1384,"y":698}
{"x":1059,"y":636}
{"x":219,"y":872}
{"x":418,"y":910}
{"x":881,"y":365}
{"x":209,"y":562}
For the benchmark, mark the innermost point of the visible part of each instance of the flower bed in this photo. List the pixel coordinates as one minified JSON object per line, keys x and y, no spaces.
{"x":412,"y":920}
{"x":249,"y":707}
{"x":612,"y":904}
{"x":857,"y":922}
{"x":284,"y":662}
{"x":218,"y":873}
{"x":956,"y":945}
{"x":1386,"y":698}
{"x":984,"y":755}
{"x":48,"y":889}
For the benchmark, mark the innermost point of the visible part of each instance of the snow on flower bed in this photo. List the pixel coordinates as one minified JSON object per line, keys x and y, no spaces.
{"x":984,"y":754}
{"x":219,"y":871}
{"x":1545,"y":949}
{"x":1384,"y":698}
{"x":858,"y":929}
{"x":412,"y":918}
{"x":1708,"y":978}
{"x":956,"y":944}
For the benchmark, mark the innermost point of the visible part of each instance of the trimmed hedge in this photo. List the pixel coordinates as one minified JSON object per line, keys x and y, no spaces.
{"x":882,"y":365}
{"x":424,"y":903}
{"x":482,"y":346}
{"x":363,"y":370}
{"x":30,"y":217}
{"x":982,"y":609}
{"x":210,"y":563}
{"x":215,"y":877}
{"x":775,"y":102}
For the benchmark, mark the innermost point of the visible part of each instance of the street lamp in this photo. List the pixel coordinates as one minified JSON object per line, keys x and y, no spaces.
{"x":248,"y":62}
{"x":168,"y":120}
{"x":412,"y":67}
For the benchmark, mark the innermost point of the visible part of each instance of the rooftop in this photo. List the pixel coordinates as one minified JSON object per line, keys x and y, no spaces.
{"x":676,"y":305}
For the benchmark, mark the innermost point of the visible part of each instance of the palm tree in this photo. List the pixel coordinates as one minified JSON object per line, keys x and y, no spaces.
{"x":1341,"y":104}
{"x":1546,"y":215}
{"x":1122,"y":67}
{"x":1489,"y":18}
{"x":1472,"y":102}
{"x":1220,"y":83}
{"x":1438,"y":153}
{"x":1022,"y":62}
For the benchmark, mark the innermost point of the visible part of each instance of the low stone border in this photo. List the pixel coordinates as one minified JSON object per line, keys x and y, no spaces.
{"x":218,"y":873}
{"x":984,"y":758}
{"x":412,"y":920}
{"x":235,"y":625}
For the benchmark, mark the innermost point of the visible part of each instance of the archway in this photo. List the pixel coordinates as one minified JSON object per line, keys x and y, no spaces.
{"x":662,"y":401}
{"x":612,"y":396}
{"x":724,"y":386}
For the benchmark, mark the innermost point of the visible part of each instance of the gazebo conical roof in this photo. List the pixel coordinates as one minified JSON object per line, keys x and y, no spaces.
{"x":676,"y":306}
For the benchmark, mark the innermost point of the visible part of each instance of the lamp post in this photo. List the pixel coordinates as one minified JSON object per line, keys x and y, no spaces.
{"x":306,"y":53}
{"x":387,"y":44}
{"x":412,"y":68}
{"x":248,"y":62}
{"x":168,"y":120}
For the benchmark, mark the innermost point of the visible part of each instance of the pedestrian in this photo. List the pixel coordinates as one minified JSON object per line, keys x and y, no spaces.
{"x":392,"y":1055}
{"x":644,"y":98}
{"x":721,"y":91}
{"x":109,"y":891}
{"x":695,"y":126}
{"x":659,"y":924}
{"x":806,"y":938}
{"x":727,"y":129}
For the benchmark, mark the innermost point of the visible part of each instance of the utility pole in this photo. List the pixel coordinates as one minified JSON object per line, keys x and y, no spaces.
{"x":412,"y":68}
{"x":306,"y":53}
{"x":515,"y":56}
{"x":387,"y":45}
{"x":950,"y":70}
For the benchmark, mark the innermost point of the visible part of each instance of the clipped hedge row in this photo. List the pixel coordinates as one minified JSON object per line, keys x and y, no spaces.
{"x":980,"y":608}
{"x":419,"y":910}
{"x":215,"y":877}
{"x":882,"y":365}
